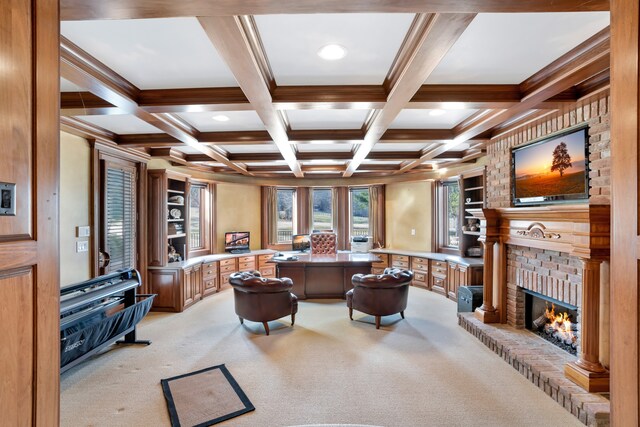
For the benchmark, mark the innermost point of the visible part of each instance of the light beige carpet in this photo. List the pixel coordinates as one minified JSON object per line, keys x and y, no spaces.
{"x":422,"y":371}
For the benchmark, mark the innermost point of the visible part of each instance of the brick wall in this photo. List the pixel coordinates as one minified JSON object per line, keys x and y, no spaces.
{"x":554,"y":274}
{"x":594,"y":111}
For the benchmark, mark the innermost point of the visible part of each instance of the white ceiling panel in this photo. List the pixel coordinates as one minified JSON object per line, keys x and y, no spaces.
{"x":238,"y":120}
{"x":400,"y":146}
{"x":315,"y":148}
{"x":505,"y":48}
{"x":423,"y":119}
{"x":153,"y":53}
{"x":327,"y":119}
{"x":262,"y":148}
{"x":371,"y":40}
{"x":121,"y":124}
{"x":67,"y":86}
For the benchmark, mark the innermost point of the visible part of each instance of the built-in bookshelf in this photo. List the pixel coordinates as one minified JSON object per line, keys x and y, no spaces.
{"x":472,"y":190}
{"x":168,"y":207}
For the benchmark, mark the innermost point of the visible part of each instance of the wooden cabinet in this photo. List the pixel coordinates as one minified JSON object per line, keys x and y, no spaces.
{"x":266,"y":268}
{"x":378,"y":267}
{"x":461,"y":275}
{"x":192,"y":285}
{"x":400,"y":261}
{"x":438,"y":276}
{"x":227,"y":267}
{"x":209,"y":278}
{"x":420,"y":268}
{"x":167,"y":223}
{"x":247,"y":263}
{"x":472,"y":190}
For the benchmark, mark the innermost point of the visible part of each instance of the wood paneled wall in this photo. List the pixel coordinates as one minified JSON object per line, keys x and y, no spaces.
{"x":625,"y":132}
{"x":29,"y":253}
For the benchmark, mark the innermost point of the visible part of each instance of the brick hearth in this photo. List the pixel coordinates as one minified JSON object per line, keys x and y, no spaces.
{"x":543,"y":364}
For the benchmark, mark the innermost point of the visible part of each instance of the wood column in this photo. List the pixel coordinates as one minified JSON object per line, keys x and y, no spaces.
{"x":625,"y":235}
{"x":587,"y":371}
{"x":487,"y":312}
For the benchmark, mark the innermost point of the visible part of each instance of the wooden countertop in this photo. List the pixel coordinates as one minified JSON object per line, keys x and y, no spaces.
{"x":209,"y":258}
{"x":469,"y":262}
{"x":339,"y":258}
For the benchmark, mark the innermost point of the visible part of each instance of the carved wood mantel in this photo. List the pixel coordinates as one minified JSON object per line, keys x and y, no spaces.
{"x":579,"y":230}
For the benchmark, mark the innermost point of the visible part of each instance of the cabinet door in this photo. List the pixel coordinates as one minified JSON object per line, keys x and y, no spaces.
{"x":187,"y":286}
{"x":197,"y":283}
{"x":454,"y":281}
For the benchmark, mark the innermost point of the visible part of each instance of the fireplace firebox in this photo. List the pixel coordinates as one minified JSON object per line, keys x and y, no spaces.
{"x":553,"y":320}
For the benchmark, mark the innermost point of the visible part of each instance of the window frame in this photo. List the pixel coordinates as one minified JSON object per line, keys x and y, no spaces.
{"x":442,"y":217}
{"x":331,"y":208}
{"x":206,"y":219}
{"x":294,"y":209}
{"x":352,"y":190}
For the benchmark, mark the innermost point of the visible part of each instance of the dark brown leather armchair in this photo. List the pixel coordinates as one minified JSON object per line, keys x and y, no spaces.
{"x":323,"y":243}
{"x":261,"y":299}
{"x":380,"y":295}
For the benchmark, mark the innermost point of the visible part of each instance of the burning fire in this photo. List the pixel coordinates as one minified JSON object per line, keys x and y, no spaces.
{"x":560,"y":325}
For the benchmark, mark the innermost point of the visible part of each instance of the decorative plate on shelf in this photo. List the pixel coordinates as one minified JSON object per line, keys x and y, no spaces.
{"x":175,"y":213}
{"x":176,"y":199}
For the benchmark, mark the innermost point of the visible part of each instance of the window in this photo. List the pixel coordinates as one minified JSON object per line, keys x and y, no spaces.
{"x":359,"y":215}
{"x":285,"y":199}
{"x":450,"y":214}
{"x":119,"y":241}
{"x":322,"y":209}
{"x":198,"y":224}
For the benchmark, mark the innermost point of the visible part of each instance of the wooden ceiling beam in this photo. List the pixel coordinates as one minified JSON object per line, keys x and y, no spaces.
{"x":82,"y":69}
{"x":85,"y":104}
{"x":329,"y":97}
{"x":237,"y":47}
{"x":194,"y":100}
{"x":583,"y":62}
{"x":326,"y":135}
{"x":428,"y":40}
{"x":86,"y":130}
{"x":169,"y":154}
{"x":73,"y":10}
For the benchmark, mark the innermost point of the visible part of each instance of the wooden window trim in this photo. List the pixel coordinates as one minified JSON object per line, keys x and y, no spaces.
{"x":440,"y":215}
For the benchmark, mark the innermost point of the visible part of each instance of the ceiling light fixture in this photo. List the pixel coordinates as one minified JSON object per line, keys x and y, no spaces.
{"x":436,"y":112}
{"x":332,"y":52}
{"x":220,"y":118}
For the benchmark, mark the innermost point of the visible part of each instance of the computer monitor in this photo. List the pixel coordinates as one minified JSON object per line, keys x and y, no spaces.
{"x":236,"y":240}
{"x":300,"y":242}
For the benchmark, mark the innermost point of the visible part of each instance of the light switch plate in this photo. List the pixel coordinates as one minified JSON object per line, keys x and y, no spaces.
{"x":82,"y":246}
{"x":7,"y":199}
{"x":83,"y":231}
{"x":413,"y":231}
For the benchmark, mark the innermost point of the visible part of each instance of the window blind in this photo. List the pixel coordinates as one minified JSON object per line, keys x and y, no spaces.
{"x":120,"y":212}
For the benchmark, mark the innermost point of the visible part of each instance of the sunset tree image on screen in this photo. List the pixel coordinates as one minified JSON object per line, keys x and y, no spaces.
{"x":561,"y":158}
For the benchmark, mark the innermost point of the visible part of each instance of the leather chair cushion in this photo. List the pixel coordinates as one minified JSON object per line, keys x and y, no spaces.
{"x":323,"y":243}
{"x":252,"y":282}
{"x":391,"y":278}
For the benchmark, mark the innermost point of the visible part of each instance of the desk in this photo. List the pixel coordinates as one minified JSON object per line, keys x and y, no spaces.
{"x":324,"y":276}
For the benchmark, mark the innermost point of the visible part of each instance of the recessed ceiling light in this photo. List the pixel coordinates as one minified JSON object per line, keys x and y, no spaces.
{"x":436,"y":112}
{"x":220,"y":118}
{"x":332,"y":52}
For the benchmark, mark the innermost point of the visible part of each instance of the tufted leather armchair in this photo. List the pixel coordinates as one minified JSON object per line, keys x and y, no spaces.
{"x":380,"y":295}
{"x":262,"y":299}
{"x":323,"y":243}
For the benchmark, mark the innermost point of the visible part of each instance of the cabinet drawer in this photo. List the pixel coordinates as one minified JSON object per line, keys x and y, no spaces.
{"x":247,"y":266}
{"x":264,"y":259}
{"x":438,"y":283}
{"x":228,"y":269}
{"x":224,"y":280}
{"x":213,"y":265}
{"x":419,"y":266}
{"x":377,"y":270}
{"x":401,"y":258}
{"x":227,"y":262}
{"x":268,"y":271}
{"x":209,"y":274}
{"x":210,"y":286}
{"x":435,"y":263}
{"x":251,"y":258}
{"x":419,"y":277}
{"x":420,"y":260}
{"x":384,"y":259}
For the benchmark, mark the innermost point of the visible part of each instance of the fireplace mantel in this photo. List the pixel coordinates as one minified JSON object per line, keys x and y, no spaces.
{"x":580,"y":230}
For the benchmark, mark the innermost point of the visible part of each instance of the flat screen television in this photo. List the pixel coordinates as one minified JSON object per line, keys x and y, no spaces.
{"x":300,"y":242}
{"x":236,"y":240}
{"x":552,"y":170}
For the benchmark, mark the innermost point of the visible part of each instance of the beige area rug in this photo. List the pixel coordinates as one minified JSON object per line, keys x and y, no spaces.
{"x":204,"y":398}
{"x":422,"y":371}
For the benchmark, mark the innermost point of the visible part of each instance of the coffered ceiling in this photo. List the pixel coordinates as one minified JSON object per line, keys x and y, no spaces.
{"x":236,"y":88}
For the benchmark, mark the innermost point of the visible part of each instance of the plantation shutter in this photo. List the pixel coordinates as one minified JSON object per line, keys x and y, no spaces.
{"x":120,"y":216}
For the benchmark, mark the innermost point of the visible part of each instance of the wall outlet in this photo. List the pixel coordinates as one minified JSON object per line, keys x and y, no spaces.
{"x":83,"y":231}
{"x":82,"y":246}
{"x":413,"y":231}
